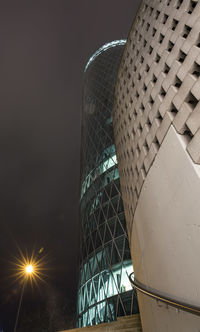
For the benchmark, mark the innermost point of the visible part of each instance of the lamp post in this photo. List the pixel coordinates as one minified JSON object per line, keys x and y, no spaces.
{"x":28,"y":271}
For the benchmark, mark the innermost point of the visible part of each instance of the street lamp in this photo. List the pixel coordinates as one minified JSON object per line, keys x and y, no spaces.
{"x":28,"y":268}
{"x":28,"y":271}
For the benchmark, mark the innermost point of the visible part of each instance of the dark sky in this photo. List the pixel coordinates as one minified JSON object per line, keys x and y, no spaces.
{"x":44,"y":47}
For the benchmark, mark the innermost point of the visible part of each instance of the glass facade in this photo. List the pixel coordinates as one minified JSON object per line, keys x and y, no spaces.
{"x":104,"y":288}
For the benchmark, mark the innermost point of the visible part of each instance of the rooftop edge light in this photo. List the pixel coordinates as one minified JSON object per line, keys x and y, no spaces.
{"x":104,"y":48}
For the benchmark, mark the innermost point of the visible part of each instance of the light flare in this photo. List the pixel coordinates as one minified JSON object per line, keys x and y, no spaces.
{"x":30,"y":267}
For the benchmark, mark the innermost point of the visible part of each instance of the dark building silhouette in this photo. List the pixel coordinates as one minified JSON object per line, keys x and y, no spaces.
{"x":104,"y":288}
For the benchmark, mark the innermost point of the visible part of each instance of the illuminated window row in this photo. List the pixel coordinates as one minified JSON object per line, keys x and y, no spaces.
{"x":105,"y":284}
{"x":103,"y":167}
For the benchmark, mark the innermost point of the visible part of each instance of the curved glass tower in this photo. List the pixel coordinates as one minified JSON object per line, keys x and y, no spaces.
{"x":104,"y":289}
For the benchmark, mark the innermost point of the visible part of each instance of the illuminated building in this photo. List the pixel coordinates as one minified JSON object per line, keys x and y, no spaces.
{"x":104,"y":289}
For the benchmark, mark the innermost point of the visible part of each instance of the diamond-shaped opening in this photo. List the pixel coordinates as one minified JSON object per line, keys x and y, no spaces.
{"x":111,"y":225}
{"x":108,"y":235}
{"x":111,"y":211}
{"x":121,"y":246}
{"x":107,"y":253}
{"x":115,"y":258}
{"x":91,"y":264}
{"x":120,"y":310}
{"x":102,"y":232}
{"x":97,"y":262}
{"x":118,"y":229}
{"x":98,"y":240}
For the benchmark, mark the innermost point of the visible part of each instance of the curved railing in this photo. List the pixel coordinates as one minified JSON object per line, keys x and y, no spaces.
{"x":172,"y":302}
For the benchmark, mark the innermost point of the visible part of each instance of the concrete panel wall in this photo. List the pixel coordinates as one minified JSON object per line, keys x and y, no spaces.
{"x":165,"y":237}
{"x":157,"y":134}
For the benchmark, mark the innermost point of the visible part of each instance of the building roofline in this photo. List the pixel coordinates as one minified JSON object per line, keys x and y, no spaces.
{"x":104,"y":48}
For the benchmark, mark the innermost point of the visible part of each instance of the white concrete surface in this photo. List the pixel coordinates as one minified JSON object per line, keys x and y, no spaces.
{"x":165,"y":239}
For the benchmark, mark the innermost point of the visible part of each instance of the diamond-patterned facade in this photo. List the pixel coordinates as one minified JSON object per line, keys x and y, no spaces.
{"x":104,"y":288}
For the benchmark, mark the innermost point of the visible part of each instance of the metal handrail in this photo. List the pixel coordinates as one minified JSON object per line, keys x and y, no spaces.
{"x":172,"y":302}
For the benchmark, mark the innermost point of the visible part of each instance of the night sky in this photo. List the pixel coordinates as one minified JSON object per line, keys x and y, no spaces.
{"x":44,"y":47}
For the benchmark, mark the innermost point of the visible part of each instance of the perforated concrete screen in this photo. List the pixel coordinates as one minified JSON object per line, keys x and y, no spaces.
{"x":104,"y":288}
{"x":158,"y":86}
{"x":157,"y":134}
